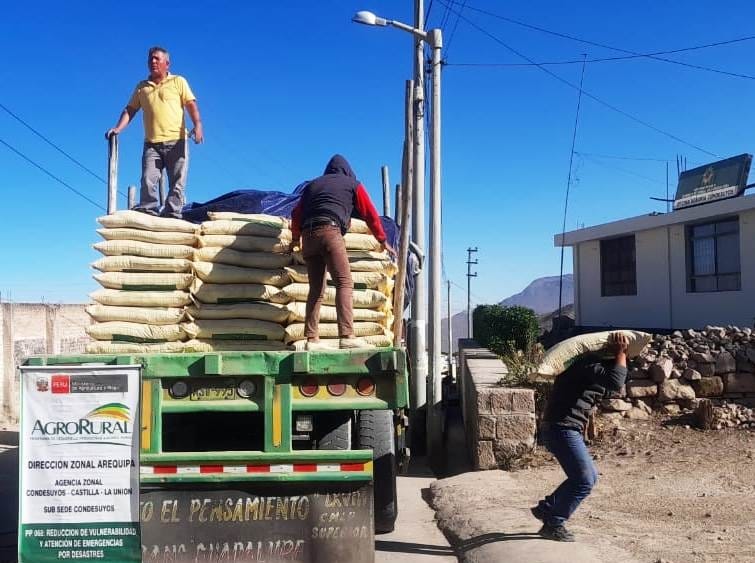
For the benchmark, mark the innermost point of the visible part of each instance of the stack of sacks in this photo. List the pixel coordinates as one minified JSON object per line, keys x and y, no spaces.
{"x":373,"y":274}
{"x":146,"y":275}
{"x":238,"y":269}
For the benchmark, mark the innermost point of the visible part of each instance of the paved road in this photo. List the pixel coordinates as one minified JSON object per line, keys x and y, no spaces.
{"x":416,"y":537}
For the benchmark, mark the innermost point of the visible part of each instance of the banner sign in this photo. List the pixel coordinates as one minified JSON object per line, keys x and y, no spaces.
{"x":79,"y":475}
{"x":711,"y":182}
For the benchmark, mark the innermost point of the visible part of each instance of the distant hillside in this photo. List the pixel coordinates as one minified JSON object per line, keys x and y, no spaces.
{"x":541,"y":296}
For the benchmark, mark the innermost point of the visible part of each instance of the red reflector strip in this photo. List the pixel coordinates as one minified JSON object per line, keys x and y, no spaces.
{"x":258,"y":469}
{"x":352,"y":467}
{"x":210,"y":468}
{"x":165,"y":469}
{"x":305,"y":467}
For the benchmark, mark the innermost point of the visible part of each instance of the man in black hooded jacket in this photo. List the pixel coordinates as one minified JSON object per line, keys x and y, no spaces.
{"x":575,"y":393}
{"x":321,"y":218}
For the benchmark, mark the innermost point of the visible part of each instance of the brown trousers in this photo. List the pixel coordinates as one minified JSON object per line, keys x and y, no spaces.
{"x":324,"y":249}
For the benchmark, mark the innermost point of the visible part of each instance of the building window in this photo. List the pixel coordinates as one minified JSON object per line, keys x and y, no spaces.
{"x":713,"y":256}
{"x":618,"y":271}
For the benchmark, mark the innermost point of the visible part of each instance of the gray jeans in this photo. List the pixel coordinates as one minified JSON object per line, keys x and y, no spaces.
{"x":173,"y":156}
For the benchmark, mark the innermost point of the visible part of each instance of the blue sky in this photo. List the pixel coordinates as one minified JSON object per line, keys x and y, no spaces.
{"x":283,"y":85}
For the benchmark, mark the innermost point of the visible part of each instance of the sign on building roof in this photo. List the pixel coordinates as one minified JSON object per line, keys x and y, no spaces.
{"x":711,"y":182}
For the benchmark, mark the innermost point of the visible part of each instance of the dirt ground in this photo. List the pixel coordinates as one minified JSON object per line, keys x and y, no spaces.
{"x":666,"y":491}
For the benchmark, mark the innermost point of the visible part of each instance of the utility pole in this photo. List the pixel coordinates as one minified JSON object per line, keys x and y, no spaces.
{"x":386,"y":191}
{"x":397,"y":206}
{"x":435,"y":387}
{"x":418,"y":319}
{"x":470,"y":275}
{"x":450,"y":331}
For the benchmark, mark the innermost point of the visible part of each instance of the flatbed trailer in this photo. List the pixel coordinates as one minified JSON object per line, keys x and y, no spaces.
{"x":264,"y":456}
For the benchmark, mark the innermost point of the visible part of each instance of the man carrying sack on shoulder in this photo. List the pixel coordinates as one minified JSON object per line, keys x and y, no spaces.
{"x":575,"y":393}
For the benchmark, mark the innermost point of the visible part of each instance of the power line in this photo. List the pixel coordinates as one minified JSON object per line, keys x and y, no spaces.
{"x":51,"y":175}
{"x":619,"y":49}
{"x":453,"y":31}
{"x":52,"y":144}
{"x":620,"y":169}
{"x":618,"y":157}
{"x":584,"y":92}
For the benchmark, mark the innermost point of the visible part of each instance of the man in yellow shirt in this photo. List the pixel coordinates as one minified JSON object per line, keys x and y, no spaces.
{"x":163,"y":97}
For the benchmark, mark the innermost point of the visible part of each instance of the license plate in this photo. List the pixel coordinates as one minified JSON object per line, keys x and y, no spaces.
{"x":213,"y":394}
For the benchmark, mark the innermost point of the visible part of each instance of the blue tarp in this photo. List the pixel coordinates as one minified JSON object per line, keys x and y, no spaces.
{"x":282,"y":205}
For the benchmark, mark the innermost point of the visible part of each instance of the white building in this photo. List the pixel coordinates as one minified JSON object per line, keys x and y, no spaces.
{"x":685,"y":269}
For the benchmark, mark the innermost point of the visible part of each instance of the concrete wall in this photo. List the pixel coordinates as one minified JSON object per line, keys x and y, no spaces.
{"x":499,"y":422}
{"x":28,"y":329}
{"x":662,"y":300}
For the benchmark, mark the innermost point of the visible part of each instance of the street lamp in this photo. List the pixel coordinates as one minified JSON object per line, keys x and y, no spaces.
{"x":434,"y":39}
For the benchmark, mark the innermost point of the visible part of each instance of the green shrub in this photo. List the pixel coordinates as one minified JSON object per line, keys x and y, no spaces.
{"x":504,"y":330}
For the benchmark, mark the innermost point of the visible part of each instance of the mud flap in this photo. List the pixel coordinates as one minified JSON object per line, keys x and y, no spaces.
{"x":269,"y":522}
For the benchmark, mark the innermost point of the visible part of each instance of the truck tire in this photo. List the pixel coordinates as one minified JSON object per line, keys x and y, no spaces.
{"x":375,"y":431}
{"x":333,"y":431}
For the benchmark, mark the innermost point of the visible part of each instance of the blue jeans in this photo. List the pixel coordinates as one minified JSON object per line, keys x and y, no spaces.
{"x":568,"y":446}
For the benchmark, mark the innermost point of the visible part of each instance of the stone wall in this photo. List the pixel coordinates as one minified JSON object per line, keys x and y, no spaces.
{"x":28,"y":329}
{"x":499,"y":422}
{"x":677,"y":370}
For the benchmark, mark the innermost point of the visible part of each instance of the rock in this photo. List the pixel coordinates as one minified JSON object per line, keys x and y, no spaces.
{"x":691,"y":374}
{"x":709,"y":387}
{"x":661,"y":370}
{"x":702,"y":357}
{"x":636,"y":414}
{"x":706,"y":370}
{"x":675,"y":374}
{"x":616,"y":405}
{"x":677,"y":334}
{"x":671,"y":409}
{"x":643,"y":406}
{"x":739,"y":382}
{"x":725,"y":363}
{"x":750,"y":354}
{"x":615,"y":416}
{"x":744,"y":363}
{"x":641,"y":388}
{"x":673,"y":390}
{"x":690,"y":333}
{"x":638,"y":374}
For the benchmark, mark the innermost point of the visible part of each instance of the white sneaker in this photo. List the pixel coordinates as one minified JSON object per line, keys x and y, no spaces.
{"x":316,"y":345}
{"x":352,"y":343}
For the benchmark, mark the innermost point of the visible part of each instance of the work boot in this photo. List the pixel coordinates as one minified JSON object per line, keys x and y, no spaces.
{"x":556,"y":533}
{"x":539,"y":513}
{"x":312,"y":345}
{"x":353,"y":343}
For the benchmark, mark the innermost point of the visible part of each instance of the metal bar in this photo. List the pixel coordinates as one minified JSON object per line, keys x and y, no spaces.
{"x":112,"y":176}
{"x":258,"y":477}
{"x":131,"y":197}
{"x":386,"y":191}
{"x":218,"y":458}
{"x":397,"y":205}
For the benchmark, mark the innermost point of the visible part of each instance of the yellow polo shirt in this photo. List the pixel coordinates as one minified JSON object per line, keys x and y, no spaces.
{"x":163,"y":106}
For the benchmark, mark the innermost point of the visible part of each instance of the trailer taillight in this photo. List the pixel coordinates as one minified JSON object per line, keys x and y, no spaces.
{"x":246,"y":388}
{"x":337,"y":387}
{"x":309,"y":388}
{"x":365,"y":386}
{"x":179,"y":389}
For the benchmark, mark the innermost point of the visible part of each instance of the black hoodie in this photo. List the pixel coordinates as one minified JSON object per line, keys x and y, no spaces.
{"x":334,"y":195}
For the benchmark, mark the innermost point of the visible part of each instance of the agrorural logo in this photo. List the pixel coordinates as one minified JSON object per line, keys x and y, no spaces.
{"x":106,"y":420}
